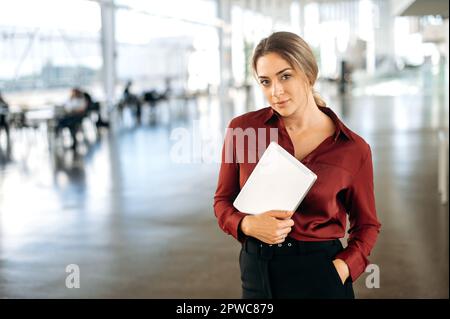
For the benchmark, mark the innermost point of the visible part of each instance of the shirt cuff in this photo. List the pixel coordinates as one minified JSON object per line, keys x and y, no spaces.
{"x":355,"y":261}
{"x":233,"y":225}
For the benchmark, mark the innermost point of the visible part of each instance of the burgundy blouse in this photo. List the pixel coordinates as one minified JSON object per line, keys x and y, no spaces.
{"x":344,"y":185}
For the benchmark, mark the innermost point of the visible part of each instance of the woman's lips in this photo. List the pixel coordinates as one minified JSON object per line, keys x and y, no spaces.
{"x":282,"y":103}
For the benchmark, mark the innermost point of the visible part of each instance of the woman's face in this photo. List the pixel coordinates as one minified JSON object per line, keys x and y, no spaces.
{"x":284,"y":87}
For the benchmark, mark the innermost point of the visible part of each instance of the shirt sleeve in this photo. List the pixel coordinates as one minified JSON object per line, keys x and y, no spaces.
{"x":229,"y":218}
{"x":364,"y":224}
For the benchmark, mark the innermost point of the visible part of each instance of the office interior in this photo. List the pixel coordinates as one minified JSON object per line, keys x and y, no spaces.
{"x":126,"y":198}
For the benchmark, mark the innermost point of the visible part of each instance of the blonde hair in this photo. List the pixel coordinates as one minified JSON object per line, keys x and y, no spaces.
{"x":296,"y":52}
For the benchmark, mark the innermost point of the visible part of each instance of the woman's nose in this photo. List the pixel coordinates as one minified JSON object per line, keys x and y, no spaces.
{"x":277,"y":89}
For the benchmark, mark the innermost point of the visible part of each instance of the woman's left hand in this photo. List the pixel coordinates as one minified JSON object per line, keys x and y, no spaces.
{"x":342,"y":269}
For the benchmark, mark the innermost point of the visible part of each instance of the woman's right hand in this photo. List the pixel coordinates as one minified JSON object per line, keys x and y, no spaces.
{"x":271,"y":227}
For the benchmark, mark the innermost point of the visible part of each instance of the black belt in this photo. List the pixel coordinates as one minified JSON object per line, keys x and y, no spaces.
{"x":289,"y":247}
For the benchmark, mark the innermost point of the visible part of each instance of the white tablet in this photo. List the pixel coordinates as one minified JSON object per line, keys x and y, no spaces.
{"x":278,"y":182}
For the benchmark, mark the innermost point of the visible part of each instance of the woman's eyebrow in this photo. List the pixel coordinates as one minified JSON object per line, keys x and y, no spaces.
{"x":279,"y":72}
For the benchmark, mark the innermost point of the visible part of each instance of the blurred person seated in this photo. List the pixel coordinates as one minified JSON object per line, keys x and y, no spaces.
{"x":153,"y":97}
{"x":128,"y":99}
{"x":74,"y":111}
{"x":93,"y":107}
{"x":4,"y":111}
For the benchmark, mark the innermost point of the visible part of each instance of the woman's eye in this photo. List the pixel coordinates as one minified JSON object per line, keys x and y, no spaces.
{"x":264,"y":82}
{"x":285,"y":76}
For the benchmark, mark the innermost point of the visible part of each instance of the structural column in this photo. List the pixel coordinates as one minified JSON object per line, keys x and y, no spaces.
{"x":384,"y":35}
{"x":301,"y":18}
{"x":108,"y":40}
{"x":226,"y":77}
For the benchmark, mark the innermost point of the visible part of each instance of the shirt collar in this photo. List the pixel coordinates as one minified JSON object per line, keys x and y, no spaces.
{"x":341,"y":129}
{"x":269,"y":114}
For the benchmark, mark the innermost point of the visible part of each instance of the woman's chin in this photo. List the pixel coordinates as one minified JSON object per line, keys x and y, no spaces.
{"x":284,"y":111}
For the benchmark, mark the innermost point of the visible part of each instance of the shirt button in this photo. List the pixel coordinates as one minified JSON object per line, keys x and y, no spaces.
{"x":289,"y":244}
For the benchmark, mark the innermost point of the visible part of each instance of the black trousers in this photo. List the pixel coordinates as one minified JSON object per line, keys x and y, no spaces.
{"x":294,"y":269}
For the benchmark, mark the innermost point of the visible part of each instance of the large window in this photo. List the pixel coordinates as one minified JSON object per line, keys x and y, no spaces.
{"x":49,"y":44}
{"x":157,"y":43}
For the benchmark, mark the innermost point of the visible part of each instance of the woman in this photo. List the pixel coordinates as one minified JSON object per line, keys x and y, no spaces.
{"x":299,"y":254}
